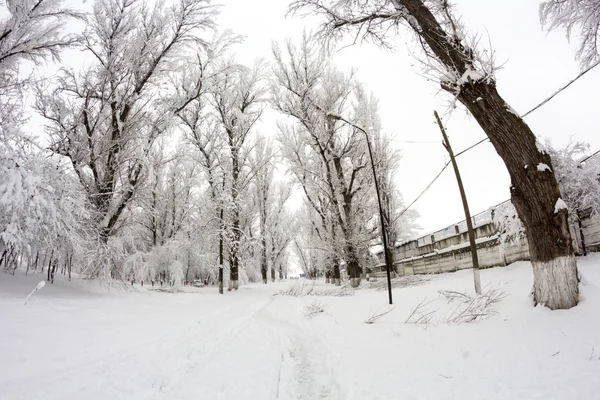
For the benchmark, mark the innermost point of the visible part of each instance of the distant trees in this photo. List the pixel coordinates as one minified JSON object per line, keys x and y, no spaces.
{"x":580,"y":18}
{"x":328,"y":157}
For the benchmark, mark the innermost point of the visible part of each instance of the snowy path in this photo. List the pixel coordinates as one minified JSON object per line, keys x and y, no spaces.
{"x":199,"y":352}
{"x":69,"y":344}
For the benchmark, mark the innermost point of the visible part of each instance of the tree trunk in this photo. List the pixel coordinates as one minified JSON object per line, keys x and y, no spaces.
{"x":535,"y":195}
{"x":49,"y":264}
{"x":353,"y":266}
{"x":534,"y":190}
{"x":52,"y":270}
{"x":70,"y":265}
{"x":43,"y":262}
{"x":263,"y":259}
{"x":221,"y":254}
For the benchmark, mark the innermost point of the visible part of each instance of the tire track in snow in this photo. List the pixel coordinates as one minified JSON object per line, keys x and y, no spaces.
{"x":187,"y":370}
{"x":114,"y":375}
{"x":305,"y":370}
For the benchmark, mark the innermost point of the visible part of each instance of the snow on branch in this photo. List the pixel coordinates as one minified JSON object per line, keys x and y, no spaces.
{"x":579,"y":18}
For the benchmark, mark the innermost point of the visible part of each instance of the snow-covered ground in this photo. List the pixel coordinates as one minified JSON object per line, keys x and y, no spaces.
{"x":78,"y":341}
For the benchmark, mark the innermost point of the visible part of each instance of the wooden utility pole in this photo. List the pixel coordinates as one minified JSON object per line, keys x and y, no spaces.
{"x":463,"y":197}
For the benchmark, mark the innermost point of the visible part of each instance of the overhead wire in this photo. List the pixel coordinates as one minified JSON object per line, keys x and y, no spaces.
{"x":539,"y":105}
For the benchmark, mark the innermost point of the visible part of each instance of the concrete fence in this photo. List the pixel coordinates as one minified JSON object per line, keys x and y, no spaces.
{"x":449,"y":250}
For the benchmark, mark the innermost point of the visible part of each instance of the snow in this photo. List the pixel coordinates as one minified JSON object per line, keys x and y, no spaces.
{"x":512,"y":110}
{"x":540,"y":147}
{"x":470,"y":76}
{"x":76,"y":340}
{"x":560,"y":205}
{"x":543,"y":167}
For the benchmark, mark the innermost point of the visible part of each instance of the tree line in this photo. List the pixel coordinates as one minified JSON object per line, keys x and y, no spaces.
{"x":151,"y":161}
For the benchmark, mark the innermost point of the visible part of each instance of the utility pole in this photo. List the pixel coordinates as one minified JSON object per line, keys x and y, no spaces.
{"x":463,"y":197}
{"x":386,"y":251}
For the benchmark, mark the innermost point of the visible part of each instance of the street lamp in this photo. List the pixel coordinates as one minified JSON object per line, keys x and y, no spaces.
{"x":388,"y":261}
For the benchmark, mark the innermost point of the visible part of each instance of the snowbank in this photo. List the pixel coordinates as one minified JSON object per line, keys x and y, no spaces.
{"x":76,"y":342}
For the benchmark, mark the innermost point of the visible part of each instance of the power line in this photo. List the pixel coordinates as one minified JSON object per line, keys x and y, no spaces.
{"x":588,"y":157}
{"x":544,"y":102}
{"x":425,"y":190}
{"x":582,"y":73}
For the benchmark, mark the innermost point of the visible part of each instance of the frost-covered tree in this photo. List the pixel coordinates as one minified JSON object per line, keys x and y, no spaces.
{"x":237,"y":98}
{"x":399,"y":223}
{"x":167,"y":201}
{"x":465,"y":71}
{"x":105,"y":119}
{"x":579,"y":18}
{"x":578,"y":182}
{"x":262,"y":159}
{"x":326,"y":153}
{"x":41,"y":212}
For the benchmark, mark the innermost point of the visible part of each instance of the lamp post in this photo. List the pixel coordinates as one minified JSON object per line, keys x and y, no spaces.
{"x":388,"y":261}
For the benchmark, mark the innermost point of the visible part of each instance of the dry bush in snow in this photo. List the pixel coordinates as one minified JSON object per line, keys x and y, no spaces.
{"x":313,"y":309}
{"x":460,"y":307}
{"x":307,"y":288}
{"x":422,"y":314}
{"x":376,"y":315}
{"x":472,"y":308}
{"x":405,"y":281}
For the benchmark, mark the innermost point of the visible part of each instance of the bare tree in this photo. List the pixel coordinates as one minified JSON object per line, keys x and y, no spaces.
{"x":40,"y":206}
{"x":309,"y":89}
{"x":262,"y":159}
{"x":35,"y":31}
{"x":237,"y":98}
{"x":579,"y":16}
{"x":455,"y":60}
{"x":106,"y":119}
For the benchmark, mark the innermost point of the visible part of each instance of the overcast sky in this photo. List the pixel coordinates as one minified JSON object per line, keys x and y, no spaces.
{"x":535,"y":65}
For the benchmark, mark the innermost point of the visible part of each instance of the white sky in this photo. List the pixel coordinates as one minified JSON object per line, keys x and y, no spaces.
{"x":536,"y":65}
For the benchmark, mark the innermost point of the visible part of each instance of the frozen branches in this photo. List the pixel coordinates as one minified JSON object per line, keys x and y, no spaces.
{"x":421,"y":315}
{"x":313,"y":309}
{"x":580,"y":18}
{"x":373,"y":317}
{"x":459,"y":307}
{"x":307,"y":288}
{"x":34,"y":31}
{"x":472,"y":308}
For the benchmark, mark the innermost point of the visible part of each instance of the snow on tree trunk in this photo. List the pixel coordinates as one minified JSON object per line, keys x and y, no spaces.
{"x":534,"y":191}
{"x":556,"y":282}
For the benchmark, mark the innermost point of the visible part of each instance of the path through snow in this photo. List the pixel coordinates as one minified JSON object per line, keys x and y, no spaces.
{"x":69,"y":344}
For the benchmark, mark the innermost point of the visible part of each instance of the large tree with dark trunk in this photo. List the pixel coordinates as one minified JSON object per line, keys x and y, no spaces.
{"x":468,"y":75}
{"x":105,"y":119}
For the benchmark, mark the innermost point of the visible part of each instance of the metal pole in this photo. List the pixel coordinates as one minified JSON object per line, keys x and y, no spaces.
{"x":386,"y":252}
